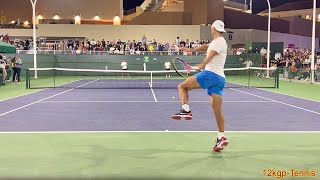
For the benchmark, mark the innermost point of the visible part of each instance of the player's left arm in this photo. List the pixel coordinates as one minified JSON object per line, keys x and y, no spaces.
{"x":208,"y":58}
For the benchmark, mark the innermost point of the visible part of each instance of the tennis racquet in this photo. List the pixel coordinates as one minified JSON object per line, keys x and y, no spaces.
{"x":181,"y":67}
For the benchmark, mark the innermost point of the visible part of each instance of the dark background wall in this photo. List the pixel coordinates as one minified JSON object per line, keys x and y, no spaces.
{"x":240,"y":20}
{"x":302,"y":26}
{"x":204,"y":11}
{"x":162,"y":18}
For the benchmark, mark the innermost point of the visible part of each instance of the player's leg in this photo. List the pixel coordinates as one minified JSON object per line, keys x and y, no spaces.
{"x":215,"y":91}
{"x":184,"y":87}
{"x":216,"y":103}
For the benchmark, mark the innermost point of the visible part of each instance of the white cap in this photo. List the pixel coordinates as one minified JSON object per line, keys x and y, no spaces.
{"x":218,"y":25}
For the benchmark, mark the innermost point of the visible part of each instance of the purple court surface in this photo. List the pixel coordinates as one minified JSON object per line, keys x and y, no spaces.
{"x":147,"y":109}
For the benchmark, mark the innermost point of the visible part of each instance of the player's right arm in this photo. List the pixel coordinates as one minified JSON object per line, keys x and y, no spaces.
{"x":203,"y":47}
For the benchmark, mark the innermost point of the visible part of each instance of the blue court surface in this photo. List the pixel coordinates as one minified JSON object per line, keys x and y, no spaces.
{"x":148,"y":109}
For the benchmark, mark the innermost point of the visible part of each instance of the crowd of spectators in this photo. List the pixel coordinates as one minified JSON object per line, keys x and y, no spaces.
{"x":10,"y":66}
{"x":296,"y":64}
{"x":19,"y":43}
{"x":132,"y":47}
{"x":116,"y":47}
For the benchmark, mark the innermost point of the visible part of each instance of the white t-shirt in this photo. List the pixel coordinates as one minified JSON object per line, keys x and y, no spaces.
{"x":167,"y":65}
{"x":216,"y":65}
{"x":263,"y":52}
{"x":2,"y":64}
{"x":124,"y":65}
{"x":248,"y":63}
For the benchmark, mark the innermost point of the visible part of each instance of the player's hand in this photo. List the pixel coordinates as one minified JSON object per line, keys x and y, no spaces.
{"x":200,"y":66}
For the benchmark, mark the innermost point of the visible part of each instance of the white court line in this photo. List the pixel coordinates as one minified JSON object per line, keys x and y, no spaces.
{"x":164,"y":131}
{"x":289,"y":95}
{"x":152,"y":101}
{"x":277,"y":101}
{"x":44,"y":99}
{"x":154,"y":95}
{"x":37,"y":91}
{"x":276,"y":92}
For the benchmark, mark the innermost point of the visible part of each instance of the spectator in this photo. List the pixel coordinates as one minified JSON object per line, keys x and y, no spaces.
{"x":3,"y":70}
{"x":16,"y":67}
{"x":248,"y":63}
{"x":278,"y":56}
{"x":293,"y":70}
{"x":305,"y":74}
{"x":167,"y":67}
{"x":317,"y":73}
{"x":178,"y":41}
{"x":144,"y":40}
{"x":7,"y":68}
{"x":5,"y":38}
{"x":263,"y":53}
{"x":124,"y":67}
{"x":250,"y":51}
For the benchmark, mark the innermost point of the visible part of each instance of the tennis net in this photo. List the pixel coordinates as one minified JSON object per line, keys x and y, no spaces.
{"x":118,"y":79}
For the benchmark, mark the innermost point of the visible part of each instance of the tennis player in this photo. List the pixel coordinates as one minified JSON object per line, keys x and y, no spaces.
{"x":211,"y":77}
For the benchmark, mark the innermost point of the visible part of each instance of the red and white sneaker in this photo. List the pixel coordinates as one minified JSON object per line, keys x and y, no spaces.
{"x":220,"y":144}
{"x":182,"y":115}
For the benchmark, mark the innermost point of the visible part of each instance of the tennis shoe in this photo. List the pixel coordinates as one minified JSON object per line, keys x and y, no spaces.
{"x":182,"y":115}
{"x":220,"y":144}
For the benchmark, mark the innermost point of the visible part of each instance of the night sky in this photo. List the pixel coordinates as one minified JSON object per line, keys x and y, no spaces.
{"x":258,"y":5}
{"x":129,"y":4}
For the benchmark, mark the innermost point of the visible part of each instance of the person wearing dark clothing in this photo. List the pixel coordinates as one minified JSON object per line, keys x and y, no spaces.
{"x":16,"y":67}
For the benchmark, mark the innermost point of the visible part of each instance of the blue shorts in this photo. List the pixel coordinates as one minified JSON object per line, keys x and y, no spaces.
{"x":211,"y":81}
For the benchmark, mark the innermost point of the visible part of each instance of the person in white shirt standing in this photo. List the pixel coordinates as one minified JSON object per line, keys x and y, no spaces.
{"x":167,"y":67}
{"x":124,"y":67}
{"x":211,"y":77}
{"x":3,"y":69}
{"x":263,"y":53}
{"x":248,"y":63}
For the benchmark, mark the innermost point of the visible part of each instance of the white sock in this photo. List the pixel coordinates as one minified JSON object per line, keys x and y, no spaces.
{"x":220,"y":135}
{"x":186,"y":107}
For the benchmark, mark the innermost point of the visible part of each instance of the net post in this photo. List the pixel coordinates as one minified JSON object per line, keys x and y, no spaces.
{"x":277,"y":78}
{"x":144,"y":67}
{"x":151,"y":76}
{"x":27,"y":79}
{"x":249,"y":76}
{"x":54,"y":78}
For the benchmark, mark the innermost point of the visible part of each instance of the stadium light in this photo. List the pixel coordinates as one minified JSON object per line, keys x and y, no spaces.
{"x":313,"y":40}
{"x":116,"y":20}
{"x":77,"y":19}
{"x":56,"y":17}
{"x":269,"y":34}
{"x":97,"y":18}
{"x":307,"y":16}
{"x":40,"y":17}
{"x":33,"y":3}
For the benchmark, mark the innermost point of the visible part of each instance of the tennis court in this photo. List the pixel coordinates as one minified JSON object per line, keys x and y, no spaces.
{"x":84,"y":130}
